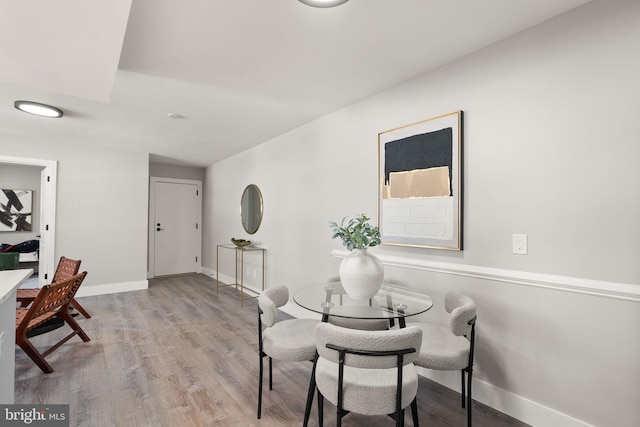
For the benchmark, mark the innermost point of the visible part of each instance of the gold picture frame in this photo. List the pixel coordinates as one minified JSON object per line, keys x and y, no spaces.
{"x":420,"y":183}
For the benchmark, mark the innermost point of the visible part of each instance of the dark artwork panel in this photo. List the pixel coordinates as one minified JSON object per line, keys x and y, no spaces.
{"x":423,"y":151}
{"x":14,"y":215}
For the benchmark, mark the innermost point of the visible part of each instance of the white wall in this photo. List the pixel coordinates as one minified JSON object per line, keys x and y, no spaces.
{"x":101,"y":217}
{"x":551,"y":150}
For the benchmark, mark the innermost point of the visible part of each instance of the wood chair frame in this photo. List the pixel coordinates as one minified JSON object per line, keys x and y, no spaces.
{"x":52,"y":301}
{"x":66,"y":268}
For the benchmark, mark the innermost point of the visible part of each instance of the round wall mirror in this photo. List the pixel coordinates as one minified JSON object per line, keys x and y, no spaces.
{"x":251,"y":208}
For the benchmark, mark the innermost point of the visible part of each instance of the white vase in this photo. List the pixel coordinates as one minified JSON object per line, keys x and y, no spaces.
{"x":361,"y":274}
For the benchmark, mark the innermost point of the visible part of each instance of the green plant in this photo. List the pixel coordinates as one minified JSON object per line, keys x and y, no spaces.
{"x":357,"y":233}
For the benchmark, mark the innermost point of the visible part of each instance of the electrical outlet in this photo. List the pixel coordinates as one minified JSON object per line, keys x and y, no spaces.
{"x":520,"y":244}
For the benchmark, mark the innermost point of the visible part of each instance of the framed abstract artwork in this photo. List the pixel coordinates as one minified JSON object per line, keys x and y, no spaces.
{"x":420,"y":183}
{"x":15,"y":210}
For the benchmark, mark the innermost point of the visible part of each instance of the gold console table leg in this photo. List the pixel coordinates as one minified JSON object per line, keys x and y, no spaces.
{"x":239,"y":284}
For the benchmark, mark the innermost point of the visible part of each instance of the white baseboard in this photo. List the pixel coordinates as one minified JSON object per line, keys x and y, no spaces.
{"x":89,"y":291}
{"x":509,"y":403}
{"x":199,"y":269}
{"x":229,"y":279}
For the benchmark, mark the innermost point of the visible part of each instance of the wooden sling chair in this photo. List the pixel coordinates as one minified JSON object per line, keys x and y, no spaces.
{"x":52,"y":301}
{"x":67,"y":268}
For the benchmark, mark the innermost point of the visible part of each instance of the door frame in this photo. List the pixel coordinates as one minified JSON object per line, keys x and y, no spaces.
{"x":152,"y":214}
{"x":52,"y":166}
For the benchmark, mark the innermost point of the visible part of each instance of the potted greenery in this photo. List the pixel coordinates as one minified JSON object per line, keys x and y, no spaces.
{"x":357,"y":233}
{"x":361,"y":273}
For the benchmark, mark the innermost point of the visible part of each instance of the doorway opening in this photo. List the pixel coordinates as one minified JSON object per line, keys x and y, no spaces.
{"x":43,"y":260}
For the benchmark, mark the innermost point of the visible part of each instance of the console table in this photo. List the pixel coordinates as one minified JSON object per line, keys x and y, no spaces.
{"x":239,"y":253}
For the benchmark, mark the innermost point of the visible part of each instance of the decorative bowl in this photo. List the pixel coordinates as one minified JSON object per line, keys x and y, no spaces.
{"x":241,"y":243}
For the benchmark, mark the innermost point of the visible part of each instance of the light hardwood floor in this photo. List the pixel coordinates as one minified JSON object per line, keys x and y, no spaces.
{"x":178,"y":354}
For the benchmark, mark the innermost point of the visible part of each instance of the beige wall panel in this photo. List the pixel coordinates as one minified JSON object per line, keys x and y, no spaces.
{"x":432,"y":182}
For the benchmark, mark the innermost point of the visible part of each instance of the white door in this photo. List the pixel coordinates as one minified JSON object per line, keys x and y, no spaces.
{"x":176,"y":227}
{"x":47,"y":225}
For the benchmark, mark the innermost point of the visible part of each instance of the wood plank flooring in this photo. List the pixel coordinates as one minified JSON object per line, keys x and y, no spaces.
{"x":178,"y":354}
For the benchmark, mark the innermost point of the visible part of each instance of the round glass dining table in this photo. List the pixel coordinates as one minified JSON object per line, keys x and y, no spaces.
{"x":391,"y":302}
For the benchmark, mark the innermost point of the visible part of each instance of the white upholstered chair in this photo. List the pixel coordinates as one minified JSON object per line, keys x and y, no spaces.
{"x":290,"y":340}
{"x":451,"y":347}
{"x":367,"y":372}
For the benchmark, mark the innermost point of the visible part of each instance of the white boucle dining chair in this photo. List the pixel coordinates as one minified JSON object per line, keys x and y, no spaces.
{"x":291,"y":340}
{"x":451,"y":347}
{"x":367,"y":372}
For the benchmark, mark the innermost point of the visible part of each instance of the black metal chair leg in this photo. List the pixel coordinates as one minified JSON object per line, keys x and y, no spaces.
{"x":312,"y":389}
{"x":469,"y":399}
{"x":414,"y":412}
{"x":462,"y":387}
{"x":260,"y":390}
{"x":320,"y":409}
{"x":270,"y":373}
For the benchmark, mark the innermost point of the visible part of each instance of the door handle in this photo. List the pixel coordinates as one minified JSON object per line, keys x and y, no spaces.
{"x":158,"y":229}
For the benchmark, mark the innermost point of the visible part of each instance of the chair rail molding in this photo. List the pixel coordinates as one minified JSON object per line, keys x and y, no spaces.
{"x":621,"y":291}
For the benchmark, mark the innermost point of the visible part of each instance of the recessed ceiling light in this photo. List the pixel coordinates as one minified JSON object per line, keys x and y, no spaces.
{"x":323,"y":3}
{"x":38,"y":109}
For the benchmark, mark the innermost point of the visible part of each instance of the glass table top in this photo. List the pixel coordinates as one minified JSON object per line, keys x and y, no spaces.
{"x":391,"y":302}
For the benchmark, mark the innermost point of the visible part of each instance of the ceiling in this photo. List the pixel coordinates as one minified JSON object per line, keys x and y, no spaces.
{"x":237,"y":73}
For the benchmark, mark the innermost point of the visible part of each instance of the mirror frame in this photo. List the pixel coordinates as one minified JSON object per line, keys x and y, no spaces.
{"x":245,"y":225}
